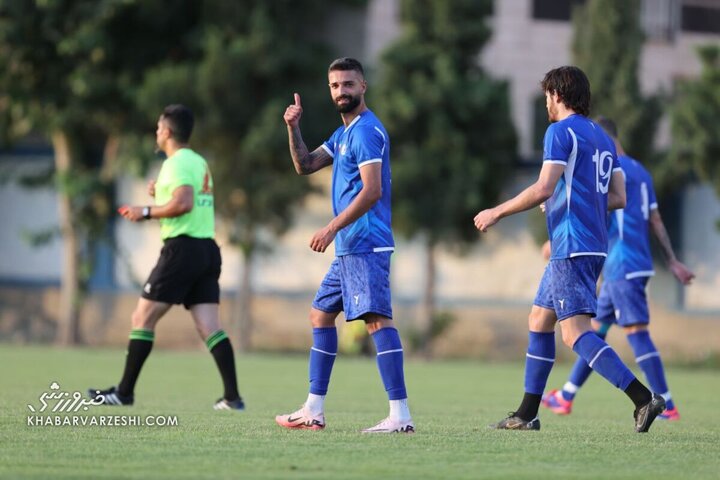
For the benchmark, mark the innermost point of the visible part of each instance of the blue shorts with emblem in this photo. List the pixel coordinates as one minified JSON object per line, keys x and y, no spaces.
{"x":357,"y":284}
{"x":624,"y":302}
{"x":569,"y":286}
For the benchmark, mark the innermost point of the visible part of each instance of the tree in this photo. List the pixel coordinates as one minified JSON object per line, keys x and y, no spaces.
{"x":607,"y":44}
{"x":254,"y":56}
{"x":70,"y":69}
{"x":694,"y":114}
{"x":451,"y":135}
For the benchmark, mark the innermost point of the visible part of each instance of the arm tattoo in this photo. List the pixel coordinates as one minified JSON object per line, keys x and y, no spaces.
{"x":299,"y":152}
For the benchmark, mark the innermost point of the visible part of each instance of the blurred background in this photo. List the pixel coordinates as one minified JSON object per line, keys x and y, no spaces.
{"x":456,"y":83}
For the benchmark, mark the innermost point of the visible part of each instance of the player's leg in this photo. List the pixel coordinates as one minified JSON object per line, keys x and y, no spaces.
{"x":325,"y":308}
{"x":634,"y":318}
{"x":146,"y":315}
{"x":603,"y":359}
{"x":390,"y":365}
{"x":650,"y":362}
{"x":311,"y":416}
{"x":365,"y":283}
{"x":539,"y":359}
{"x":207,"y":323}
{"x":560,"y":401}
{"x":202,"y":299}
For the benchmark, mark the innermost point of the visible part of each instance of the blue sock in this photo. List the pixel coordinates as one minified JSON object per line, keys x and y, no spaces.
{"x":322,"y":358}
{"x":390,"y":362}
{"x":648,"y":358}
{"x":579,"y":373}
{"x":539,"y":361}
{"x":603,"y":359}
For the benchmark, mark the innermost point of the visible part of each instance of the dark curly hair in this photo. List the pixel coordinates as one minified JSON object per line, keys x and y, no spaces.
{"x":572,"y":86}
{"x":346,"y":63}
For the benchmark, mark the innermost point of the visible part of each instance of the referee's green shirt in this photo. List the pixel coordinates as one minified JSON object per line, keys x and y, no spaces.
{"x":186,"y":167}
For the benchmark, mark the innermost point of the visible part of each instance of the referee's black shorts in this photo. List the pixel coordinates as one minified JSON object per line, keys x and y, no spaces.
{"x":187,"y":272}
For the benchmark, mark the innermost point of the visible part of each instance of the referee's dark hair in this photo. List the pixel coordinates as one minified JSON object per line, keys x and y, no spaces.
{"x":346,"y":63}
{"x":180,"y":120}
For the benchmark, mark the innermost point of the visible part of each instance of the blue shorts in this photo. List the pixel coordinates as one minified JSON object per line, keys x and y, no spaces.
{"x":569,"y":285}
{"x":357,"y":284}
{"x":624,"y":302}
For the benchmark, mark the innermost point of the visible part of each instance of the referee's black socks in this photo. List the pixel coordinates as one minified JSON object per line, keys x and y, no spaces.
{"x":141,"y":343}
{"x":221,"y":349}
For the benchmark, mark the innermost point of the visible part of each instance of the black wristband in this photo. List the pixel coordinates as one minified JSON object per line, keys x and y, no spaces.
{"x":146,"y":213}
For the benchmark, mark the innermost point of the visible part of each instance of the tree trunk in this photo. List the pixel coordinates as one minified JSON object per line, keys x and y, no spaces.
{"x":243,"y":320}
{"x":69,"y":311}
{"x":427,"y":311}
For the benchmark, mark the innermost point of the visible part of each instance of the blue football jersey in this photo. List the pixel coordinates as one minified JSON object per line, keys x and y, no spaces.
{"x":629,"y":231}
{"x":363,"y":142}
{"x":576,"y":213}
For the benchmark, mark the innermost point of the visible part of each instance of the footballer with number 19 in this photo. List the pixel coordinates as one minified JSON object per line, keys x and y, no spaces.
{"x":579,"y":182}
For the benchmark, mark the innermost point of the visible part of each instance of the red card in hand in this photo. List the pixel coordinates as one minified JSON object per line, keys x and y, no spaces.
{"x":123,"y":210}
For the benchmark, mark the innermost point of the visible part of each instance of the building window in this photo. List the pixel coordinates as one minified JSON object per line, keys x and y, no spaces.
{"x":660,"y":19}
{"x":554,"y":9}
{"x":701,"y":16}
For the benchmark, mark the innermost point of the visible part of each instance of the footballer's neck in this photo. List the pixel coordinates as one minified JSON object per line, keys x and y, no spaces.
{"x":348,"y":117}
{"x":564,"y":112}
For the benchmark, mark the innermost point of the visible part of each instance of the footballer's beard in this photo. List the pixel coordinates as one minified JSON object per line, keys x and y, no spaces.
{"x":552,"y":114}
{"x":351,"y":105}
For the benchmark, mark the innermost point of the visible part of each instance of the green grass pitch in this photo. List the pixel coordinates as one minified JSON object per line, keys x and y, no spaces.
{"x":452,"y":403}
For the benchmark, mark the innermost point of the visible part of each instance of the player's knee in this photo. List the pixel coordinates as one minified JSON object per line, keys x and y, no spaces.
{"x":320,"y":319}
{"x":569,"y":337}
{"x":140,"y":319}
{"x":537,"y":322}
{"x":144,"y":318}
{"x":630,"y":329}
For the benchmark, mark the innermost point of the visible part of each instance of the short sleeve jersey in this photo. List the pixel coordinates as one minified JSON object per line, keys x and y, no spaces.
{"x":186,"y":167}
{"x":629,"y":232}
{"x":576,"y":213}
{"x":361,"y":143}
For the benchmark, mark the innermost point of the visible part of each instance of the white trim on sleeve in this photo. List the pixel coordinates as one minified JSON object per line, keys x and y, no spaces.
{"x":559,"y":162}
{"x":368,"y":162}
{"x":325,"y":147}
{"x":383,"y":249}
{"x":642,"y":273}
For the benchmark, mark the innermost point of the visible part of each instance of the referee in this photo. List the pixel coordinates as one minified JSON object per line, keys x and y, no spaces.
{"x":188,"y":269}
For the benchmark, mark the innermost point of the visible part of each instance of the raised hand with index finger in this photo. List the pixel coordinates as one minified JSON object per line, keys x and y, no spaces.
{"x":293,"y":113}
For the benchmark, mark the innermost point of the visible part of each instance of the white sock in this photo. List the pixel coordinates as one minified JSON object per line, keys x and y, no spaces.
{"x":399,"y":410}
{"x":315,"y":404}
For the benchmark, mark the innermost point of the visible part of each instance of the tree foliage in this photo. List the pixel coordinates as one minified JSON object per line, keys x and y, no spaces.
{"x":452,"y":138}
{"x":70,"y":70}
{"x":695,"y":124}
{"x":253,"y":57}
{"x":607,"y":44}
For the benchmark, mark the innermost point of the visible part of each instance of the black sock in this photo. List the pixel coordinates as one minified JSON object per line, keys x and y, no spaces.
{"x":638,"y":393}
{"x":529,"y":407}
{"x":221,"y":350}
{"x":141,"y":343}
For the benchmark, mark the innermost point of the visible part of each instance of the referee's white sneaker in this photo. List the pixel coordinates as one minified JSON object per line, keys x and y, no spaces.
{"x":392,"y":426}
